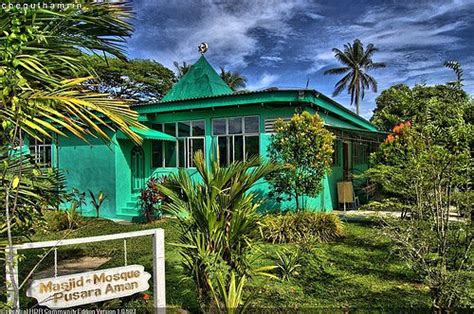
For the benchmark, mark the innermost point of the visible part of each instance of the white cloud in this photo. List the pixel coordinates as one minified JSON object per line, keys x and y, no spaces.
{"x":314,"y":16}
{"x":226,"y":27}
{"x":264,"y":81}
{"x":393,"y":31}
{"x":414,"y":40}
{"x":271,"y":58}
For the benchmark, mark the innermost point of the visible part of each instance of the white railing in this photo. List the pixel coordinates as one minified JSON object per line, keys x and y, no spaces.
{"x":159,"y":290}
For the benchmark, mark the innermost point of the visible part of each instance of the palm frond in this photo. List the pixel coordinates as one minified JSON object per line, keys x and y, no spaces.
{"x":51,"y":94}
{"x":342,"y":84}
{"x":340,"y":70}
{"x":456,"y":67}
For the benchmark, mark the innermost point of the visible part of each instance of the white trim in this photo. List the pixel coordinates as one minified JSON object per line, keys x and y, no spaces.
{"x":64,"y":242}
{"x":230,"y":153}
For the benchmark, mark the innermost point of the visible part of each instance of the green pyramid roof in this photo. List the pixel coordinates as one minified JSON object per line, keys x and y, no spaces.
{"x":201,"y":80}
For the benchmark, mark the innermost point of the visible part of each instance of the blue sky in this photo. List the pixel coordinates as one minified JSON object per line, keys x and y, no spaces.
{"x":285,"y":43}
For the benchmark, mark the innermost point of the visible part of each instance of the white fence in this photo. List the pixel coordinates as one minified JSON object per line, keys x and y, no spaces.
{"x":159,"y":290}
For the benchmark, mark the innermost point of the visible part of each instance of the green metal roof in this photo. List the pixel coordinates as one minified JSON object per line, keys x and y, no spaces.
{"x":201,"y":80}
{"x":148,"y":134}
{"x":334,"y":122}
{"x":279,"y":97}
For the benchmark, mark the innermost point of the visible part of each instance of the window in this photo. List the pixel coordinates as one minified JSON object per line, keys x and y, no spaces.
{"x":237,"y":138}
{"x":41,"y":151}
{"x":270,"y":123}
{"x":359,"y":153}
{"x":190,"y":139}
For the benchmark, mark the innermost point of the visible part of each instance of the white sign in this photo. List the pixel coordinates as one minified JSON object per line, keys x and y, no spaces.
{"x":90,"y":287}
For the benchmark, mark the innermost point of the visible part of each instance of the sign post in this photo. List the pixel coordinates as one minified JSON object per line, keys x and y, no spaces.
{"x":91,"y":287}
{"x":159,"y":269}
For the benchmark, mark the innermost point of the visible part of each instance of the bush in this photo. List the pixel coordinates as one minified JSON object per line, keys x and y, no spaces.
{"x":305,"y":147}
{"x":57,"y":221}
{"x":217,"y":218}
{"x":63,"y":220}
{"x":288,"y":263}
{"x":151,"y":199}
{"x":302,"y":227}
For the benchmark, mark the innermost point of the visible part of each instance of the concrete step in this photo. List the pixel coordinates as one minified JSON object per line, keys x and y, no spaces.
{"x":129,"y":211}
{"x":133,"y":204}
{"x":130,"y":217}
{"x":135,"y":197}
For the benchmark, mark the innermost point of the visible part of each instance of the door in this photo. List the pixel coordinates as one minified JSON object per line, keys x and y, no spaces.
{"x":137,"y":162}
{"x":346,"y":161}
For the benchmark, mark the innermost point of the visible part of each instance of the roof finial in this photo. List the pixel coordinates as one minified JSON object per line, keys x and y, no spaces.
{"x":202,"y":48}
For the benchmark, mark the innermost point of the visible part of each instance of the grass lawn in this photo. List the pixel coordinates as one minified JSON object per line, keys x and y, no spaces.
{"x":356,"y":272}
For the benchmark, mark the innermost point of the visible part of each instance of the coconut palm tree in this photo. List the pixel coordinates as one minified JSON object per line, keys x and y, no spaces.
{"x":234,"y":79}
{"x":356,"y":62}
{"x":182,"y":69}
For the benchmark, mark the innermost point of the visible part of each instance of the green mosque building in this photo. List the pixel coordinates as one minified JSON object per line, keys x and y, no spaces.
{"x":201,"y":112}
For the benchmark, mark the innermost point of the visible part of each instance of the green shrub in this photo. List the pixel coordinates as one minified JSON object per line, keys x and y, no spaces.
{"x":63,"y":220}
{"x":302,"y":227}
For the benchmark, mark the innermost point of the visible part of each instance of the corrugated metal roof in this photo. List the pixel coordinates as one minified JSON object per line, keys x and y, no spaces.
{"x":200,"y":81}
{"x":148,"y":134}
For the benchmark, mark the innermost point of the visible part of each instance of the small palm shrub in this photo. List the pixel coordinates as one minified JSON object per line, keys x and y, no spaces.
{"x":97,"y":202}
{"x":302,"y":227}
{"x":288,"y":263}
{"x":217,"y":218}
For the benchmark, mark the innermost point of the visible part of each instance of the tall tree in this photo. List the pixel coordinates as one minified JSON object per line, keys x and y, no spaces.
{"x":401,"y":103}
{"x":356,"y":62}
{"x":144,"y":81}
{"x":425,"y":168}
{"x":182,"y":69}
{"x":234,"y":79}
{"x":41,"y":67}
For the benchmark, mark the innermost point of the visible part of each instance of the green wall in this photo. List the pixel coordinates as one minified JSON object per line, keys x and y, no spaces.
{"x":97,"y":167}
{"x":321,"y":203}
{"x":89,"y":167}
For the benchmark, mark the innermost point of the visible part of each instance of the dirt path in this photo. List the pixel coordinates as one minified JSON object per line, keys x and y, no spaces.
{"x":361,"y":215}
{"x":78,"y":265}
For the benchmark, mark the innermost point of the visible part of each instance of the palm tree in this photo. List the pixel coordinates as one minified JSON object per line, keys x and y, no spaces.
{"x":356,"y":61}
{"x":44,"y":93}
{"x":234,"y":79}
{"x":217,"y":216}
{"x":43,"y":70}
{"x":182,"y":69}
